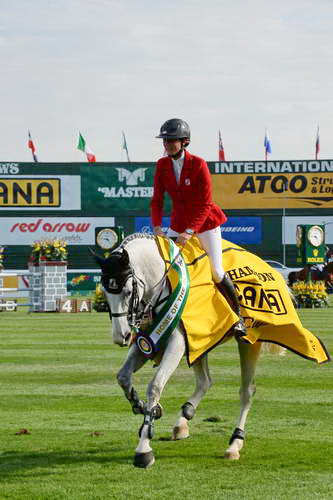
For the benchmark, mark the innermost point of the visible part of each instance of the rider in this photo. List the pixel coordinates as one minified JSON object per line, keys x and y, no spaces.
{"x":186,"y":178}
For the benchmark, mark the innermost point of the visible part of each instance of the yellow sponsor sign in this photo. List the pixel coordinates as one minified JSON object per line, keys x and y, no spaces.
{"x":301,"y":184}
{"x":20,"y":192}
{"x":9,"y":282}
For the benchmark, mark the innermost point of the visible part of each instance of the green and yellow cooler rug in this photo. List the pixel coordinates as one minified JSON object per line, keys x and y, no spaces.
{"x":266,"y":305}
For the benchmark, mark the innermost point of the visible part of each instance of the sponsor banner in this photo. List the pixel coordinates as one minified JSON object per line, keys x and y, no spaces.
{"x":46,"y":192}
{"x":75,"y":230}
{"x":289,"y":225}
{"x":143,"y":224}
{"x":273,"y":184}
{"x":243,"y":230}
{"x":117,"y":188}
{"x":240,"y":230}
{"x":9,"y":168}
{"x":79,"y":281}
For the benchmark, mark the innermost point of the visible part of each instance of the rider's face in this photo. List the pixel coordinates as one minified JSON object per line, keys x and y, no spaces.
{"x":172,"y":146}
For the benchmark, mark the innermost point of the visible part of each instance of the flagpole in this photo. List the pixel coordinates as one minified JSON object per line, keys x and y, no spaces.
{"x":317,"y":143}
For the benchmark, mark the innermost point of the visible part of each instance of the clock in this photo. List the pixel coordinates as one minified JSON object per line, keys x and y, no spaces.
{"x":316,"y":236}
{"x":299,"y":234}
{"x":106,"y":238}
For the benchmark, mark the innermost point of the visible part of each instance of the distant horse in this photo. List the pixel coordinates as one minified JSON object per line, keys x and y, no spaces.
{"x":313,"y":273}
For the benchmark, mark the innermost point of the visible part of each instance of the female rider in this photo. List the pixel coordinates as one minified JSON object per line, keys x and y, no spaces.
{"x":186,"y":178}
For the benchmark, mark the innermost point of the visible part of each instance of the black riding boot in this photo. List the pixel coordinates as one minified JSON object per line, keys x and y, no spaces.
{"x":226,"y":287}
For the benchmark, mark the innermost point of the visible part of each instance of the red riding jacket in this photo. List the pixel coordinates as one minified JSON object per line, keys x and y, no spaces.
{"x":192,"y":205}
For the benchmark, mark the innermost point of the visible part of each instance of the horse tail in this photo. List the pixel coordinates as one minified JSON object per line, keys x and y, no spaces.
{"x":269,"y":348}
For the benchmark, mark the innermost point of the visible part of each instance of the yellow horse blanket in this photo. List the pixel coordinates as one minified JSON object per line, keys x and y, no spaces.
{"x":266,"y":305}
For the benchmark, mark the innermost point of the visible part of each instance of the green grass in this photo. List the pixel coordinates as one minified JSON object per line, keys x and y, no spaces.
{"x":57,"y":379}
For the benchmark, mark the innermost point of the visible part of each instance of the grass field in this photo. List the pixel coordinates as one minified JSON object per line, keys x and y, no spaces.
{"x":58,"y":382}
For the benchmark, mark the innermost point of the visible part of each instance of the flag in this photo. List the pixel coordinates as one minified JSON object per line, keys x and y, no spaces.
{"x":221,"y":149}
{"x":317,"y":143}
{"x":267,"y":144}
{"x":125,"y":147}
{"x":83,"y":146}
{"x":32,"y":147}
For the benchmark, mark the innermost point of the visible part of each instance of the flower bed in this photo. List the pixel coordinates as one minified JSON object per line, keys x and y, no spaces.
{"x":310,"y":294}
{"x":2,"y":256}
{"x":49,"y":250}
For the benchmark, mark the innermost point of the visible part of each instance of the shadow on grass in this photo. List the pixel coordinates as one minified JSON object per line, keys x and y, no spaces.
{"x":13,"y":461}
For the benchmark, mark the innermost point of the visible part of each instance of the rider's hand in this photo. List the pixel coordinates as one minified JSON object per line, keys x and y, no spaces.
{"x":158,"y":231}
{"x":182,"y":238}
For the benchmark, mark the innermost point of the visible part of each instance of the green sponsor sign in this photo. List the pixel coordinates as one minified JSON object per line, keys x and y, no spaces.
{"x":119,"y":188}
{"x":310,"y":241}
{"x":82,"y":282}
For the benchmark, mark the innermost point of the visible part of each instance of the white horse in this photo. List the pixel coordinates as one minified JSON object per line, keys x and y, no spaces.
{"x":132,"y":278}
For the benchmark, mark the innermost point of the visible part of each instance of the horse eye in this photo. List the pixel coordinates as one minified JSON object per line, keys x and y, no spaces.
{"x":127,"y":293}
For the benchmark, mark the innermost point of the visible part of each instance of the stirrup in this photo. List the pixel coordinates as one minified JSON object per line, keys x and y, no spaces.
{"x":240,"y":330}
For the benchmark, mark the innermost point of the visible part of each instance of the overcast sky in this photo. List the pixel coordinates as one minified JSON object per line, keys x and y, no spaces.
{"x":103,"y":66}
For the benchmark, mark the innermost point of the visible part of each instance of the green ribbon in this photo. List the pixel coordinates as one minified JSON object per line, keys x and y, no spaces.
{"x":166,"y":320}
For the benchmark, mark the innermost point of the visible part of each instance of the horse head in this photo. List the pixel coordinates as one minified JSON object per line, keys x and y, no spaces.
{"x":122,"y":292}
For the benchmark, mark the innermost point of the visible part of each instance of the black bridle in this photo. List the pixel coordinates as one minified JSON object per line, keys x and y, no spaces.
{"x":114,"y":283}
{"x":116,"y":271}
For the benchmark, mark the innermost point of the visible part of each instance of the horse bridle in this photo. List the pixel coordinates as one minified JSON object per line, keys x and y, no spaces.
{"x":115,"y":285}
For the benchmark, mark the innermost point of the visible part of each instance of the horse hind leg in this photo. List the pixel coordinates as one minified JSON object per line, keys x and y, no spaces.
{"x":203,"y":383}
{"x":248,"y":359}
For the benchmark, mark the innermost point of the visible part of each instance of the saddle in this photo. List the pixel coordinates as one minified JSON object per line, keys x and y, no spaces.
{"x":266,"y":305}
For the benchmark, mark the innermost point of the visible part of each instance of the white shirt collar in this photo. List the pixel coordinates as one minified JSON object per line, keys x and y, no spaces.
{"x":178,"y":165}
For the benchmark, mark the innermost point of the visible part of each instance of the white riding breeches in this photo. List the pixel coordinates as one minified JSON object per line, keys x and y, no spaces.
{"x":211,"y":242}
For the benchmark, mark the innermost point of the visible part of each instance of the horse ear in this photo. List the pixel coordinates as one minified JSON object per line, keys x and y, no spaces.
{"x":99,"y":260}
{"x":124,"y":258}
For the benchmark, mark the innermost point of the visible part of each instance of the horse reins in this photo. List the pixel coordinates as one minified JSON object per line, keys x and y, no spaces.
{"x":134,"y":319}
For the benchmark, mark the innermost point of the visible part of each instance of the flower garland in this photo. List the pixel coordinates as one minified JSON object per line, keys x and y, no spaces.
{"x":49,"y":250}
{"x":310,"y":294}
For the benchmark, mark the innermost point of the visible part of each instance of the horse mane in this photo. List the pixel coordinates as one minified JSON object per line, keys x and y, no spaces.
{"x":132,"y":237}
{"x":143,"y":260}
{"x":135,"y":236}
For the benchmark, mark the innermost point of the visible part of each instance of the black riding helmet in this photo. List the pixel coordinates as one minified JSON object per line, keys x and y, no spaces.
{"x":175,"y":128}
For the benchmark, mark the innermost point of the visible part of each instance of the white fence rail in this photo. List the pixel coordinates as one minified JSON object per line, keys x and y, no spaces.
{"x":45,"y":283}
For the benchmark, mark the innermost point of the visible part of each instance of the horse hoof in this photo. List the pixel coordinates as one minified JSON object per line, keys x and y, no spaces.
{"x":139,"y":408}
{"x":144,"y":460}
{"x":180,"y":433}
{"x":232,"y":455}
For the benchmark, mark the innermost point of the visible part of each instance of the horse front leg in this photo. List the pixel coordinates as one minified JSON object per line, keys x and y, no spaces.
{"x":187,"y":412}
{"x":249,"y":354}
{"x":133,"y":362}
{"x":174,"y":352}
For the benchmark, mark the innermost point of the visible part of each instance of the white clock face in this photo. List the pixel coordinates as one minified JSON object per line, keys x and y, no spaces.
{"x":106,"y":238}
{"x":316,"y":236}
{"x":299,"y":232}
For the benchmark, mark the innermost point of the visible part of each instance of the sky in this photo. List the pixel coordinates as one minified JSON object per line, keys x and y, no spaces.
{"x":103,"y":66}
